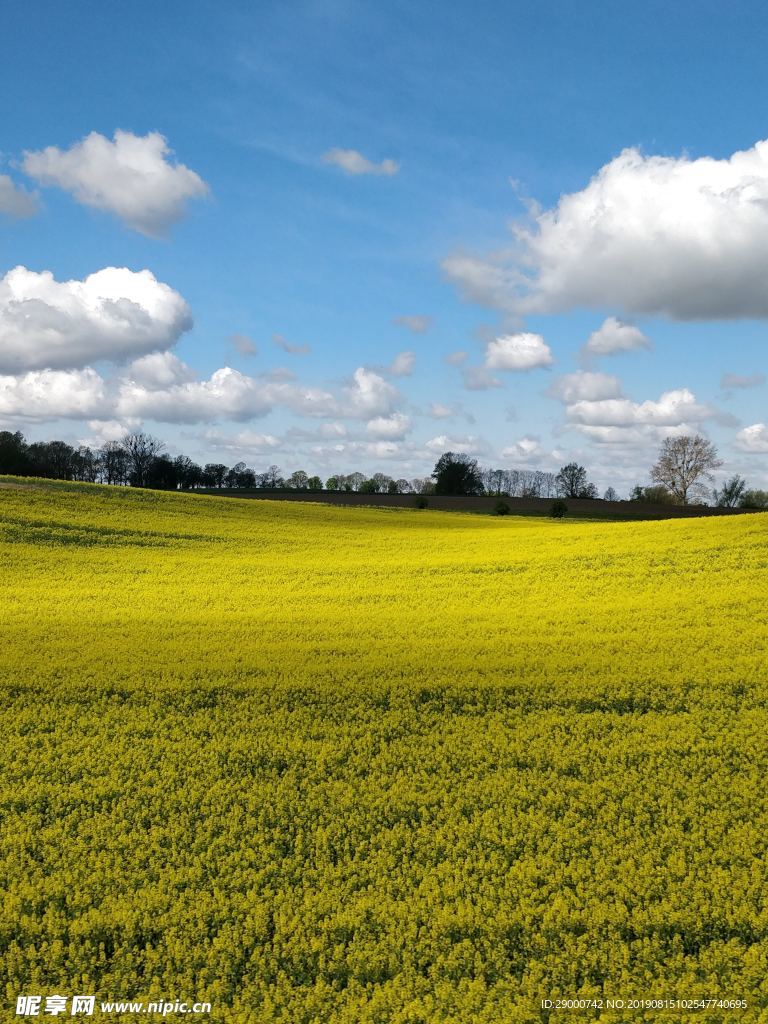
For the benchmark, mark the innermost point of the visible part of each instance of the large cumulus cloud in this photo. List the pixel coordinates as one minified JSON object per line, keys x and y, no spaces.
{"x":670,"y":236}
{"x":113,"y":314}
{"x":129,"y":176}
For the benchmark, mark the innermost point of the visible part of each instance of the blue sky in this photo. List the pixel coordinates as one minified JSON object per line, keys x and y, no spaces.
{"x":346,"y":183}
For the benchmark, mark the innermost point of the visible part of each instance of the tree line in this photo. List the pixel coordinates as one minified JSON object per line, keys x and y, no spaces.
{"x":680,"y":476}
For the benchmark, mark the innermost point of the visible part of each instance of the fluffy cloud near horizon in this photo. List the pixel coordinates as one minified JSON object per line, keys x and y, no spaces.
{"x":584,"y":386}
{"x":517,"y":352}
{"x":352,"y":162}
{"x":15,"y":201}
{"x":47,"y":394}
{"x":664,"y":236}
{"x":753,"y":438}
{"x":244,"y":441}
{"x":368,"y":395}
{"x":112,"y":314}
{"x":160,"y":370}
{"x":620,"y":420}
{"x":391,"y":428}
{"x":614,"y":336}
{"x":130,"y":177}
{"x":470,"y":445}
{"x":227,"y":395}
{"x":162,"y":388}
{"x":231,"y":395}
{"x":523,"y":450}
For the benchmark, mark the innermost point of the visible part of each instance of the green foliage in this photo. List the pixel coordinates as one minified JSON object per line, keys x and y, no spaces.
{"x":501,"y":508}
{"x":754,"y":499}
{"x":558,"y":509}
{"x":655,"y":494}
{"x":457,"y":474}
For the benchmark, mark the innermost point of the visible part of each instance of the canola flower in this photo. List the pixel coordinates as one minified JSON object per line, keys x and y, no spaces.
{"x":317,"y":764}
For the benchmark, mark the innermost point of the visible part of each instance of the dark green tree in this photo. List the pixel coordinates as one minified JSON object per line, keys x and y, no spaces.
{"x":457,"y":474}
{"x":13,"y":453}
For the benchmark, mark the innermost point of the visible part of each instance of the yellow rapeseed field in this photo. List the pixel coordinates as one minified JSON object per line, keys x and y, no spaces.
{"x":320,"y":765}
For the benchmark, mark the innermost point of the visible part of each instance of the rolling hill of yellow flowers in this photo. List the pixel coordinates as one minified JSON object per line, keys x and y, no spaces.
{"x":362,"y":766}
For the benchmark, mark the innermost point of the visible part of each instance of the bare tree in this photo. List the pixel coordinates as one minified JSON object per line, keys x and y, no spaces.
{"x":422,"y":485}
{"x":298,"y":481}
{"x":354,"y":481}
{"x":493,"y":481}
{"x":140,"y":450}
{"x":684,"y":464}
{"x":271,"y":478}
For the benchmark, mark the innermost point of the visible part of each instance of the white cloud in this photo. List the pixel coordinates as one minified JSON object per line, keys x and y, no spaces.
{"x":402,"y":364}
{"x":417,"y":324}
{"x":368,"y":395}
{"x":244,"y":442}
{"x":108,"y":430}
{"x":15,"y":201}
{"x":614,"y":336}
{"x":289,"y":347}
{"x":231,"y":395}
{"x":303,"y":400}
{"x":524,"y":450}
{"x":470,"y":445}
{"x":383,"y":450}
{"x":113,"y":314}
{"x":670,"y":236}
{"x":640,"y":436}
{"x":352,"y":162}
{"x":517,"y":352}
{"x":227,"y":395}
{"x":584,"y":386}
{"x":130,"y":177}
{"x":54,"y":394}
{"x":337,"y":455}
{"x":159,"y":370}
{"x":731,"y":381}
{"x":622,"y":421}
{"x":393,"y":428}
{"x":753,"y":438}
